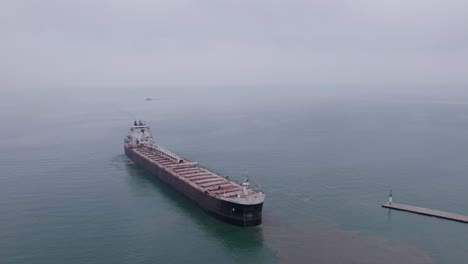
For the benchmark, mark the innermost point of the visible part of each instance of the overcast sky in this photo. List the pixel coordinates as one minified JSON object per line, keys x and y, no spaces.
{"x":102,"y":43}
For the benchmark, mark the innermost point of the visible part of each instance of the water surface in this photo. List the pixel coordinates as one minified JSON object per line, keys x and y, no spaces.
{"x":326,"y":161}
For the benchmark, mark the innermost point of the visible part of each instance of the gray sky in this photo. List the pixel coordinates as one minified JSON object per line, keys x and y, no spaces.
{"x":103,"y":43}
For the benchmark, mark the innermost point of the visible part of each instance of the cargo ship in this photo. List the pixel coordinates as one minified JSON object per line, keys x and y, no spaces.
{"x":229,"y":201}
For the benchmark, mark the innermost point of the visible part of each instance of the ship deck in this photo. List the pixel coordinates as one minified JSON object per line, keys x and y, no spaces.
{"x":197,"y":176}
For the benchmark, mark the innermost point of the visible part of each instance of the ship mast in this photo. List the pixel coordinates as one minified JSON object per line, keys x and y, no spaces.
{"x":245,"y":184}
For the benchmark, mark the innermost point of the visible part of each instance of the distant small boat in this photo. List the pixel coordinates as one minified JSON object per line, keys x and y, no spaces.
{"x":148,"y":99}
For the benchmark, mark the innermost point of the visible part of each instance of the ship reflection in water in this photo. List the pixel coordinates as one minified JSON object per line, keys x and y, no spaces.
{"x":231,"y":237}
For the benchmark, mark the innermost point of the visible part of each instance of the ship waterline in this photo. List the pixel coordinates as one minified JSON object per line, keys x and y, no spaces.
{"x":222,"y":198}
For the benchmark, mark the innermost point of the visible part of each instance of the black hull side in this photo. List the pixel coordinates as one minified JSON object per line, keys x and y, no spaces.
{"x":229,"y":212}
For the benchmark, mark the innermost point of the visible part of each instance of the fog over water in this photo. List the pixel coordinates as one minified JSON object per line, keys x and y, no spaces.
{"x":327,"y":104}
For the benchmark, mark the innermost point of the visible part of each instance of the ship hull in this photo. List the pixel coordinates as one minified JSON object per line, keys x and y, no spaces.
{"x":229,"y":212}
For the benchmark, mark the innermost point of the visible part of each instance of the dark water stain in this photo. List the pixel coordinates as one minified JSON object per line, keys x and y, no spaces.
{"x":330,"y":245}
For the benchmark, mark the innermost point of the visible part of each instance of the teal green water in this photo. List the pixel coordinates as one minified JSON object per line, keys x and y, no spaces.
{"x":324,"y":159}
